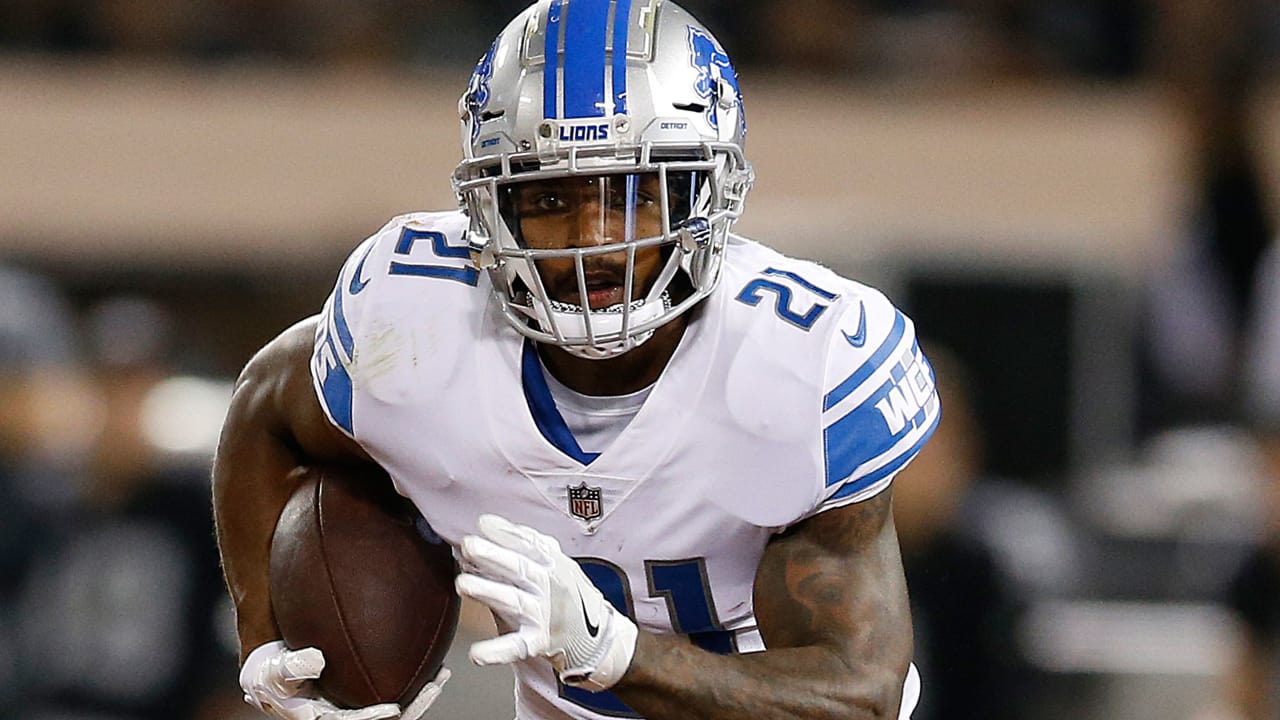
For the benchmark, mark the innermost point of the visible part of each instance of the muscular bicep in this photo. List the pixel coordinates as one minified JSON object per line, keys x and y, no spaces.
{"x":275,"y":404}
{"x":835,"y":581}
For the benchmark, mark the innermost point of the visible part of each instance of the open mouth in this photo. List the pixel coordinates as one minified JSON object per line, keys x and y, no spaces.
{"x":604,"y":289}
{"x":603,"y":295}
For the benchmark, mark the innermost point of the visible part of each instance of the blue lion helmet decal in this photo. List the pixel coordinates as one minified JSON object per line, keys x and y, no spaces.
{"x":712,"y":64}
{"x":478,"y":89}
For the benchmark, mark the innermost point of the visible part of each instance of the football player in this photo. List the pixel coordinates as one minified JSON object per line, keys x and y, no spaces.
{"x":662,"y":452}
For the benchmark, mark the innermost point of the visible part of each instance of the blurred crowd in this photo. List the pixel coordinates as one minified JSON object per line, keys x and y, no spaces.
{"x":112,"y":604}
{"x":1094,"y":39}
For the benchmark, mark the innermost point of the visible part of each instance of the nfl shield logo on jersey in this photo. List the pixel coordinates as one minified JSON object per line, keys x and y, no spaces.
{"x":584,"y":502}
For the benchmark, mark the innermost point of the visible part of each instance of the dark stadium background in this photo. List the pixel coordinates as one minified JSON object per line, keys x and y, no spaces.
{"x":1063,"y":194}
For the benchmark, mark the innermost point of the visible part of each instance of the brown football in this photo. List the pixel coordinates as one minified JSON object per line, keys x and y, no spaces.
{"x":351,"y":575}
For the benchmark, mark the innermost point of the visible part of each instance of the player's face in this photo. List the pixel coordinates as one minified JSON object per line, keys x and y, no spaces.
{"x":583,"y":212}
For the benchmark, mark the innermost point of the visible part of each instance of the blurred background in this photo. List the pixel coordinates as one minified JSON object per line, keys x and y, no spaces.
{"x":1075,"y":200}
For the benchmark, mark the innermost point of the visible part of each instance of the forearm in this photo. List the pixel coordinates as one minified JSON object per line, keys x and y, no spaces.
{"x":273,"y":425}
{"x":249,"y":491}
{"x":671,"y":678}
{"x":244,"y":529}
{"x":831,"y":602}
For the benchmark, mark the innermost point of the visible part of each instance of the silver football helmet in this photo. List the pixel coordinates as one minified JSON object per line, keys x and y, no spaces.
{"x":620,"y":95}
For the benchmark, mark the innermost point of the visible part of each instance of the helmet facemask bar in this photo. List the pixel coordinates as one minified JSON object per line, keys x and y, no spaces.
{"x":559,"y":317}
{"x":717,"y":178}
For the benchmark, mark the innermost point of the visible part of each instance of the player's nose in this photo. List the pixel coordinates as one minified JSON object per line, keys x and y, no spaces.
{"x":590,"y":224}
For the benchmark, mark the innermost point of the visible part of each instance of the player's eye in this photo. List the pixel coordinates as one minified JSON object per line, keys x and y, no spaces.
{"x":549,"y":201}
{"x":620,"y":199}
{"x":543,"y":202}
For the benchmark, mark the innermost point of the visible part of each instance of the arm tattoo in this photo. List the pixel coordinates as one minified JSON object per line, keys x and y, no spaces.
{"x":811,"y":598}
{"x":830,"y":601}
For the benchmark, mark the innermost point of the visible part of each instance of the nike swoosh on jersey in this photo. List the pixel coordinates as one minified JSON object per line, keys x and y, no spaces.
{"x":592,"y":630}
{"x":356,"y":283}
{"x":859,"y":338}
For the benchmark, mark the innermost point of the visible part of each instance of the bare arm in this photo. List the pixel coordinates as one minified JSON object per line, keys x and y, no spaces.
{"x":831,"y":601}
{"x":274,"y":425}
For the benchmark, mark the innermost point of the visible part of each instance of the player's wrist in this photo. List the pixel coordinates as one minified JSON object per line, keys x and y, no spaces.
{"x":618,"y":648}
{"x":621,"y":651}
{"x":255,"y":675}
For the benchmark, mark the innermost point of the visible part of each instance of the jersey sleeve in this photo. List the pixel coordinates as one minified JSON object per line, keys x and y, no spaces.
{"x":412,"y":263}
{"x":335,"y":342}
{"x":880,"y":405}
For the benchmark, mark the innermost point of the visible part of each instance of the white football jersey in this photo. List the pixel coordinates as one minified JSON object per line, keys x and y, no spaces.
{"x":793,"y":391}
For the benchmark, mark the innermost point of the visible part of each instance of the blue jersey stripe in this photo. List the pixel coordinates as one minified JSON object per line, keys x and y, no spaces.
{"x":340,"y":323}
{"x":860,"y":375}
{"x":857,"y":438}
{"x":586,"y":26}
{"x":551,"y":52}
{"x":335,"y":387}
{"x":889,"y":468}
{"x":621,"y":31}
{"x":543,"y":408}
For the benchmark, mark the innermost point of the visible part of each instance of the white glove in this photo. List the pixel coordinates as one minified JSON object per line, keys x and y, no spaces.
{"x":273,"y":678}
{"x":523,"y":576}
